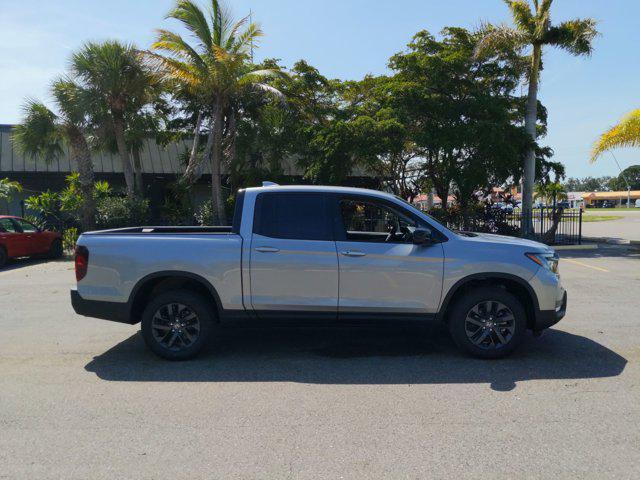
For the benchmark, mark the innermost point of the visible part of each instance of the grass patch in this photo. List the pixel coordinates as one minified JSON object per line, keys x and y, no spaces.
{"x":599,"y":218}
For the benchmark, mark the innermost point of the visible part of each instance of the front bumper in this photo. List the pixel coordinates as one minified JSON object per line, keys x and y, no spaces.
{"x":547,"y":318}
{"x":114,"y":311}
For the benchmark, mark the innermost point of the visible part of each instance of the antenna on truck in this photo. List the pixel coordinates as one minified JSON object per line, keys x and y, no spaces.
{"x":270,"y":184}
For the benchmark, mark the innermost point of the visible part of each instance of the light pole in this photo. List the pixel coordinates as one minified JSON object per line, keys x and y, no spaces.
{"x":625,"y":181}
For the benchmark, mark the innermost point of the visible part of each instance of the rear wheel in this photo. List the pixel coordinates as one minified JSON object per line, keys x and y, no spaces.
{"x":55,"y":250}
{"x":177,"y":325}
{"x":3,"y":257}
{"x":488,"y":322}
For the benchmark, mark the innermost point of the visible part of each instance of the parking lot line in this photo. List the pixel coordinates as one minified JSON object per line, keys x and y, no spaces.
{"x":570,"y":260}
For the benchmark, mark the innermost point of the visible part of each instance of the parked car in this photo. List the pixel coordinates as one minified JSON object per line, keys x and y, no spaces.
{"x":317,"y":254}
{"x":20,"y":238}
{"x":608,"y":204}
{"x":563,"y":204}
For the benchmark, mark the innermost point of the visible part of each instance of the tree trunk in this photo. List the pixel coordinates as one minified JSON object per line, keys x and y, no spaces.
{"x":123,"y":151}
{"x":137,"y":165}
{"x":232,"y":134}
{"x":82,"y":155}
{"x":194,"y":170}
{"x":530,"y":120}
{"x":220,"y":216}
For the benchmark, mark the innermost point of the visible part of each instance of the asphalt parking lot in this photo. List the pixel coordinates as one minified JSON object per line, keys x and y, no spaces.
{"x":82,"y":398}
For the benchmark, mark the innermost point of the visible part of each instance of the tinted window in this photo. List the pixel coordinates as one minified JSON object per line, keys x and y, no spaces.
{"x":301,"y":216}
{"x":6,"y":225}
{"x":26,"y":227}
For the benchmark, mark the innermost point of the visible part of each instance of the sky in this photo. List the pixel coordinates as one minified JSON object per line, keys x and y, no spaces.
{"x":348,"y":39}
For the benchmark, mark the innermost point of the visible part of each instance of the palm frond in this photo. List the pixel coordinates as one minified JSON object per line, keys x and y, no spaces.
{"x":494,"y":39}
{"x":233,"y":32}
{"x":39,"y":133}
{"x":522,"y":15}
{"x":174,"y":44}
{"x":575,"y":36}
{"x":173,"y":69}
{"x":624,"y":134}
{"x":246,"y":39}
{"x":194,"y":19}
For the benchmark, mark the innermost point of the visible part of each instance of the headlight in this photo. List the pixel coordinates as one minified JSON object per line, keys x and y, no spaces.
{"x":545,"y":260}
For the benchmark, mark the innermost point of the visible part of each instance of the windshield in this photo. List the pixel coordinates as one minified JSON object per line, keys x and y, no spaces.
{"x":424,"y":216}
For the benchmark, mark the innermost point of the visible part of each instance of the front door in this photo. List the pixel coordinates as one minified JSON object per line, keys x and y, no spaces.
{"x":382,"y":273}
{"x":34,"y":239}
{"x":294,"y":265}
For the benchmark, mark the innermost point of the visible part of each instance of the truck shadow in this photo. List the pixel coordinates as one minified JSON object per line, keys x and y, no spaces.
{"x":416,"y":355}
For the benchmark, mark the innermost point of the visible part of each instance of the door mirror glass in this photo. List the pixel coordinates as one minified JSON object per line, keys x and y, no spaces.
{"x":422,"y":236}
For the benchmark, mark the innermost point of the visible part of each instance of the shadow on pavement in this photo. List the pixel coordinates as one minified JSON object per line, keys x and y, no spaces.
{"x":17,"y":263}
{"x":417,"y":355}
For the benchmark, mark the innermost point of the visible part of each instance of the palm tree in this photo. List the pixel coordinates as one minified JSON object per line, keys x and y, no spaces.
{"x":533,"y":30}
{"x":624,"y":134}
{"x":43,"y":133}
{"x":216,"y":71}
{"x":553,"y":191}
{"x":118,"y":81}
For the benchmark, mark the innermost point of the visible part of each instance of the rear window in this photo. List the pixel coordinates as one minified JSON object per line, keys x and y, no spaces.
{"x":300,"y":216}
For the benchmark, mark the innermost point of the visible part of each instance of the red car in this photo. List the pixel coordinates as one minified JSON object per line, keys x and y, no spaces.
{"x":19,"y":238}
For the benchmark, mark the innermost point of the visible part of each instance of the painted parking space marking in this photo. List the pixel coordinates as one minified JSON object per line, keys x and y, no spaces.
{"x":570,"y":260}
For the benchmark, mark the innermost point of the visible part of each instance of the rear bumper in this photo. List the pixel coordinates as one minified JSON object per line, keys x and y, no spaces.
{"x":114,"y":311}
{"x":548,"y":318}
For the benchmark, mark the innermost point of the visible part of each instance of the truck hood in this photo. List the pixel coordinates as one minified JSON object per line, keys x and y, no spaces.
{"x":504,"y":240}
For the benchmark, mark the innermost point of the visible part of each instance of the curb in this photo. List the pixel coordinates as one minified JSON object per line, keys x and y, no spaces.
{"x":588,"y":246}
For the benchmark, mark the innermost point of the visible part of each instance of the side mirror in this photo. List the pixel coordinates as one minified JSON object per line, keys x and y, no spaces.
{"x":422,"y":236}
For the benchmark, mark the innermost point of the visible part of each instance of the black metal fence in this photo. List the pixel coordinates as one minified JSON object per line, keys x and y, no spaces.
{"x":548,"y":225}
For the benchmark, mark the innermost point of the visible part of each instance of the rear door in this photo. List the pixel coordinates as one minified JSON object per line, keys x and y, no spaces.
{"x":293,"y":260}
{"x":11,"y":238}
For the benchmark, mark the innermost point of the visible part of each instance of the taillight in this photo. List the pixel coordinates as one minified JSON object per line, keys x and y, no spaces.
{"x":81,"y":262}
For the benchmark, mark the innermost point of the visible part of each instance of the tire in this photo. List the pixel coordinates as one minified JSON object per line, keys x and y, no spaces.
{"x":3,"y":257}
{"x":168,"y":328}
{"x":488,"y":322}
{"x":55,"y":250}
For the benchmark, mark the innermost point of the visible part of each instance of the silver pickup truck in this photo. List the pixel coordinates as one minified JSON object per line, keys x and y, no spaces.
{"x":318,"y":254}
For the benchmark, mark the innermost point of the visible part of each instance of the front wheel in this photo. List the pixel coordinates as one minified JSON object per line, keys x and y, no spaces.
{"x":488,"y":322}
{"x":56,"y":250}
{"x":177,"y":325}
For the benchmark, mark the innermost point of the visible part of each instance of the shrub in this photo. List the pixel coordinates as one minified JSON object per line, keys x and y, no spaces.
{"x":204,"y":214}
{"x":116,"y":212}
{"x":69,"y":239}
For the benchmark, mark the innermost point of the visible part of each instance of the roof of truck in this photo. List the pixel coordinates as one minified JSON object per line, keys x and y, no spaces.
{"x":321,"y":188}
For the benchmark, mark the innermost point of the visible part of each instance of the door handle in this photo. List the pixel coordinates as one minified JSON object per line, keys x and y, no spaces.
{"x":267,"y":249}
{"x":353,"y":253}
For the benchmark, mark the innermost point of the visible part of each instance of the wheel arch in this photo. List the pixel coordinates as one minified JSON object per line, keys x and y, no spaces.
{"x":515,"y":285}
{"x":158,"y":282}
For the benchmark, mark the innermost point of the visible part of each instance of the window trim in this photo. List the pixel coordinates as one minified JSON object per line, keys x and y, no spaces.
{"x":340,"y":231}
{"x":257,"y":216}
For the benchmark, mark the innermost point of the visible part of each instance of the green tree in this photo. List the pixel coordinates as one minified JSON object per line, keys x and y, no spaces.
{"x":628,"y":178}
{"x":216,"y":72}
{"x":462,"y":113}
{"x":119,"y":84}
{"x":43,"y":133}
{"x":533,"y":30}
